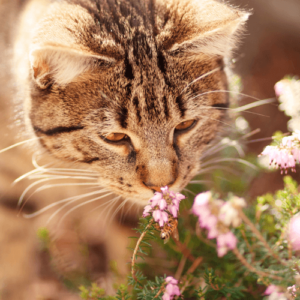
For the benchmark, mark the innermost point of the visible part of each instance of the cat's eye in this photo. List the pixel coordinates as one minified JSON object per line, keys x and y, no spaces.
{"x":116,"y":137}
{"x":185,"y":125}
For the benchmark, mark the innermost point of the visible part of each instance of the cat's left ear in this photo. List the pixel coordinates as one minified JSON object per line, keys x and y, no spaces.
{"x":61,"y":65}
{"x":207,"y":26}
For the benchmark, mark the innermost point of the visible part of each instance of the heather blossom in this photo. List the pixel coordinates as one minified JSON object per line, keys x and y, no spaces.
{"x":216,"y":216}
{"x":286,"y":154}
{"x":162,"y":205}
{"x":172,"y":288}
{"x":294,"y":232}
{"x":273,"y":292}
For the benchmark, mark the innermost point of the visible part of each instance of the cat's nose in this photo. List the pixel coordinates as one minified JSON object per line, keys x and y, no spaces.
{"x":157,"y":188}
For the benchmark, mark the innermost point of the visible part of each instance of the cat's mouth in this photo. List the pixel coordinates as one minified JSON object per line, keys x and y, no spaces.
{"x":139,"y":192}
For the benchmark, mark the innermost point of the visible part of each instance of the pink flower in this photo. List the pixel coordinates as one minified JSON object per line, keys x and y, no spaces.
{"x":271,"y":289}
{"x":225,"y":242}
{"x":294,"y":232}
{"x":172,"y":289}
{"x":292,"y":290}
{"x":279,"y":88}
{"x":284,"y":158}
{"x":161,"y":217}
{"x":202,"y":199}
{"x":147,"y":209}
{"x":165,"y":189}
{"x":164,"y":203}
{"x":155,"y":199}
{"x":173,"y":209}
{"x":171,"y":280}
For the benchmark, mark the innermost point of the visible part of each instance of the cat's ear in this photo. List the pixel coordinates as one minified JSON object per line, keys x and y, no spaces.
{"x":207,"y":26}
{"x":61,"y":65}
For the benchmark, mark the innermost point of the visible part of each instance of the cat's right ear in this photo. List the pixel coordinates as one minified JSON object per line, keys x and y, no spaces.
{"x":62,"y":65}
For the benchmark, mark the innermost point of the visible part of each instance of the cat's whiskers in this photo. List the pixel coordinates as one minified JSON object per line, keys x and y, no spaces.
{"x":19,"y":144}
{"x":208,"y":169}
{"x":76,"y":207}
{"x":230,"y":159}
{"x":200,"y":181}
{"x":44,"y":178}
{"x":187,"y":190}
{"x":201,"y":77}
{"x":121,"y":206}
{"x":210,"y":118}
{"x":77,"y":197}
{"x":242,"y":108}
{"x":234,"y":110}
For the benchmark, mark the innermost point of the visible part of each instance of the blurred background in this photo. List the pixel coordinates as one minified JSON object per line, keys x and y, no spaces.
{"x":36,"y":263}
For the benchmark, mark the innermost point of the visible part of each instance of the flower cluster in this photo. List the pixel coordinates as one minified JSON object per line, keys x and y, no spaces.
{"x":286,"y":154}
{"x":162,"y":204}
{"x":216,"y":216}
{"x":288,"y":92}
{"x":172,"y":289}
{"x":294,"y":232}
{"x":273,"y":292}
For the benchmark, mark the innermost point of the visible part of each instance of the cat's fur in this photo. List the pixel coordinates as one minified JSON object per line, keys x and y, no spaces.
{"x":90,"y":68}
{"x":76,"y":75}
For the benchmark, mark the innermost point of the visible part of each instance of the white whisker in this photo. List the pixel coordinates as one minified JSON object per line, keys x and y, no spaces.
{"x":61,"y":177}
{"x":29,"y":188}
{"x":199,"y":181}
{"x":75,"y":170}
{"x":201,"y":77}
{"x":110,"y":209}
{"x":40,"y":169}
{"x":117,"y":210}
{"x":254,"y":104}
{"x":77,"y":206}
{"x":259,"y":101}
{"x":218,"y":121}
{"x":242,"y":161}
{"x":224,"y":168}
{"x":18,"y":144}
{"x":48,"y":186}
{"x":187,"y":190}
{"x":44,"y":209}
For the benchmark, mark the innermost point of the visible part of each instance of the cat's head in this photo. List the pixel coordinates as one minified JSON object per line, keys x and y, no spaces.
{"x":132,"y":88}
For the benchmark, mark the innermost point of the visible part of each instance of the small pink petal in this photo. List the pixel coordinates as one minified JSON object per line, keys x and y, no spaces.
{"x":165,"y":189}
{"x":147,"y":209}
{"x":271,"y":289}
{"x":166,"y":296}
{"x":294,"y":232}
{"x":173,"y":210}
{"x":162,"y":204}
{"x":279,"y":88}
{"x":171,"y":280}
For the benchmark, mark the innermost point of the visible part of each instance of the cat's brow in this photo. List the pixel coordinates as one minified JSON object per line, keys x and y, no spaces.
{"x":57,"y":130}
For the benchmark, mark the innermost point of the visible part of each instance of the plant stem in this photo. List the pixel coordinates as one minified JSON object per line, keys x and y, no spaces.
{"x":248,"y":245}
{"x":185,"y":251}
{"x":242,"y":259}
{"x":160,"y":290}
{"x":260,"y":237}
{"x":136,"y":250}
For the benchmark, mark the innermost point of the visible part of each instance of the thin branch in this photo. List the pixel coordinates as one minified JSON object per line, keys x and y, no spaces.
{"x":160,"y":290}
{"x":136,"y":250}
{"x":242,"y":259}
{"x":185,"y":251}
{"x":260,"y":237}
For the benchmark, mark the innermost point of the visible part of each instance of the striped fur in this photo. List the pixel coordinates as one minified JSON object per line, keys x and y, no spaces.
{"x":97,"y":67}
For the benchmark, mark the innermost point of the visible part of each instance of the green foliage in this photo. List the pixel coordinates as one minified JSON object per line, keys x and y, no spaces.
{"x":44,"y":237}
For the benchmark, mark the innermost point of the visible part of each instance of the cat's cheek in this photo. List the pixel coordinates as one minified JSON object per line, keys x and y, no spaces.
{"x":137,"y":193}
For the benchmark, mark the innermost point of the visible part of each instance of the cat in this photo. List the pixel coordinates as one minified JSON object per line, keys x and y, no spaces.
{"x":131,"y":90}
{"x":126,"y":87}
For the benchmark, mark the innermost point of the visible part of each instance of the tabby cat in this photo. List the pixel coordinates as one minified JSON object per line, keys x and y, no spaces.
{"x":127,"y":87}
{"x":131,"y":89}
